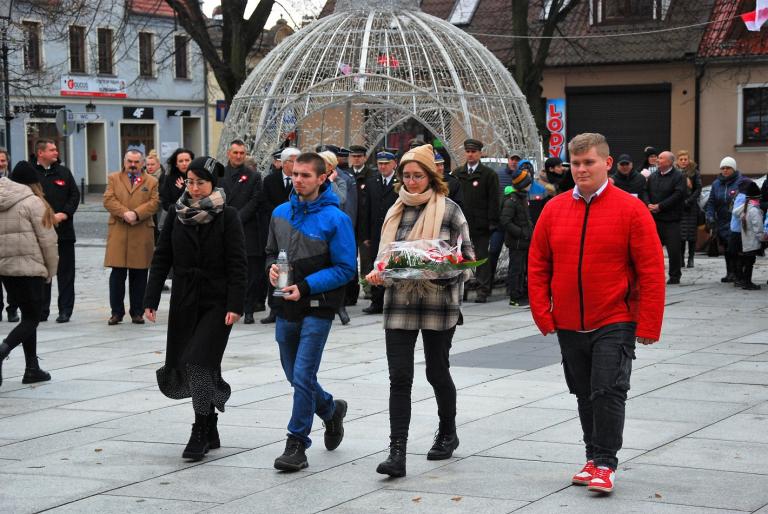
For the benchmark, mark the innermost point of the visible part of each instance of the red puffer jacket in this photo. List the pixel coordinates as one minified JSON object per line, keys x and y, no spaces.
{"x":593,"y":264}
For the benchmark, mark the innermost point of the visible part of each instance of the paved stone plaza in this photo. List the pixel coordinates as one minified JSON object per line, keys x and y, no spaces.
{"x":101,"y":438}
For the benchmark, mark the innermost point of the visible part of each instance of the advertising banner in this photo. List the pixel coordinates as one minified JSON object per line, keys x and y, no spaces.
{"x":102,"y":87}
{"x":556,"y":126}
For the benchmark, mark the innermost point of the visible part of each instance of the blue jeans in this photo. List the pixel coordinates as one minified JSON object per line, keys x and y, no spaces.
{"x":301,"y":348}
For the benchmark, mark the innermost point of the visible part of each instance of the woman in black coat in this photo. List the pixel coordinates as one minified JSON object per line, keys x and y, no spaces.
{"x":689,"y":223}
{"x":173,"y":184}
{"x":203,"y":240}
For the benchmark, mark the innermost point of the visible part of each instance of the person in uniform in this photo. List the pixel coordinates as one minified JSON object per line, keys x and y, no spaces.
{"x":480,"y":188}
{"x":380,"y":195}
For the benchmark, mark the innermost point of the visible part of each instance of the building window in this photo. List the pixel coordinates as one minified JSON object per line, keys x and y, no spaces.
{"x":32,"y":46}
{"x":755,"y":116}
{"x":626,"y":11}
{"x":146,"y":53}
{"x":105,"y":51}
{"x":76,"y":49}
{"x":463,"y":10}
{"x":181,"y":45}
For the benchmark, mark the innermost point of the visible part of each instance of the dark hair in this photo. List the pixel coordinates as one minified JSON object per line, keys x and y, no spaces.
{"x":317,"y":162}
{"x":42,"y":144}
{"x":172,"y":159}
{"x":238,"y":142}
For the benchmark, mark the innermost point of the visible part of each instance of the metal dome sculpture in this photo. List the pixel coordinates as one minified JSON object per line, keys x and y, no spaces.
{"x":378,"y":64}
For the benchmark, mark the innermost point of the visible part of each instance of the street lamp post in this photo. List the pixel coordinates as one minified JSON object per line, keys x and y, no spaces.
{"x":5,"y":16}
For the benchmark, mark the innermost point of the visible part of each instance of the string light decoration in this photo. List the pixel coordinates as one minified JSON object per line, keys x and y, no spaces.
{"x":353,"y":76}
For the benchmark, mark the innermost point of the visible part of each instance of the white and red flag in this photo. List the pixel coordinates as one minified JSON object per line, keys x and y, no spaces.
{"x":754,"y":20}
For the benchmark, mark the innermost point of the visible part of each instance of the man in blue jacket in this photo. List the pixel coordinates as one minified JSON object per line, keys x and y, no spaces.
{"x":320,"y":244}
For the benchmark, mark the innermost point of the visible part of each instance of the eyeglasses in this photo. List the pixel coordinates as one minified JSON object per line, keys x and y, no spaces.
{"x":415,"y":178}
{"x":198,"y":183}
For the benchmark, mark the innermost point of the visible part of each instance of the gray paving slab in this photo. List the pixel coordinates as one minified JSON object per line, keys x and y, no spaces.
{"x":48,"y":444}
{"x":25,"y":493}
{"x":741,"y":457}
{"x":746,"y":427}
{"x":111,"y":504}
{"x":579,"y":501}
{"x":694,"y":487}
{"x":670,"y":409}
{"x":392,"y":500}
{"x":521,"y":449}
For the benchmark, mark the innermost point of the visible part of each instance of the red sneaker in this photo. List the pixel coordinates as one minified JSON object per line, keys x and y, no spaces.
{"x":584,"y":476}
{"x":602,"y":480}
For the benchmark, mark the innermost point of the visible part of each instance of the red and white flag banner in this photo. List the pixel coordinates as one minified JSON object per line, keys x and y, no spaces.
{"x":754,"y":20}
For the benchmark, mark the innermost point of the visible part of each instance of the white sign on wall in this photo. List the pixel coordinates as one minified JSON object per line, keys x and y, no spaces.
{"x":103,"y":87}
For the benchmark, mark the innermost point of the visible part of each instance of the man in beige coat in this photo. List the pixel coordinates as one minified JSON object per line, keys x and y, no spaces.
{"x":131,"y":198}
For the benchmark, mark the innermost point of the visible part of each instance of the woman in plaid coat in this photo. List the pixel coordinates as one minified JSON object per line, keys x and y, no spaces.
{"x":422,"y":211}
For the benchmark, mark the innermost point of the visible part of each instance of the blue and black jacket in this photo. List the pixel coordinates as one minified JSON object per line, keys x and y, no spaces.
{"x":320,"y":242}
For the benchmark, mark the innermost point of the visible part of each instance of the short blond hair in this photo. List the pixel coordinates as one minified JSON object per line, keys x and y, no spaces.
{"x":680,"y":153}
{"x":581,"y":144}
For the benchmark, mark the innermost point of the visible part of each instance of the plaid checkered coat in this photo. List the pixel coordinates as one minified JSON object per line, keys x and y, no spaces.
{"x":438,"y":309}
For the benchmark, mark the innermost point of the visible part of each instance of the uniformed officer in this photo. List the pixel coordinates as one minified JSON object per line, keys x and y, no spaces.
{"x":380,"y":195}
{"x":480,"y":188}
{"x":361,"y":172}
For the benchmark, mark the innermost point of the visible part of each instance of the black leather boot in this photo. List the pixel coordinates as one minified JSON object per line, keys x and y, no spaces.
{"x":4,"y":351}
{"x":445,"y":443}
{"x":294,"y":457}
{"x":343,"y":316}
{"x":214,"y":442}
{"x":198,"y":445}
{"x":32,"y":372}
{"x":394,"y":466}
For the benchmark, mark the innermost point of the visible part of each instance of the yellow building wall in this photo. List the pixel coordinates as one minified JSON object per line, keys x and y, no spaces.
{"x":721,"y":118}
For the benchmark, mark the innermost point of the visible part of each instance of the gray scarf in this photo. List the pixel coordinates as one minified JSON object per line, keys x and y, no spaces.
{"x":202,"y":211}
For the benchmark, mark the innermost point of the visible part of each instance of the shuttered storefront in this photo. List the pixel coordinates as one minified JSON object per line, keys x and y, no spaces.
{"x":631,"y":117}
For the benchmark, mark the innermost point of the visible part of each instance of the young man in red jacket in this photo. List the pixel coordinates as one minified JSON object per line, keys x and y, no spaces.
{"x":596,"y":278}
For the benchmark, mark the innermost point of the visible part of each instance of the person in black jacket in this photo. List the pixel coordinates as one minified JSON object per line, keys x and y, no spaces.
{"x":203,"y":240}
{"x":689,"y":224}
{"x":244,"y":191}
{"x":62,"y":194}
{"x":518,"y":229}
{"x":480,"y":188}
{"x":173,"y":186}
{"x":380,"y":195}
{"x":454,"y":186}
{"x":277,"y":189}
{"x":665,"y":191}
{"x":628,"y":179}
{"x":361,"y":172}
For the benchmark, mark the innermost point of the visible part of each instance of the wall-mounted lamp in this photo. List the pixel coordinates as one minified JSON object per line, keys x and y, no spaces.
{"x":89,"y":107}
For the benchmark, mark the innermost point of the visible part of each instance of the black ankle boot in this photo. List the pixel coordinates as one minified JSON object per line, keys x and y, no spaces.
{"x":294,"y":457}
{"x":213,"y":432}
{"x":4,"y":351}
{"x":197,"y":446}
{"x":394,"y":466}
{"x":33,"y":373}
{"x":445,"y":443}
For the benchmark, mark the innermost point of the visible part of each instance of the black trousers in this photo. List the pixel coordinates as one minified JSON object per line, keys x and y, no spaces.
{"x":28,"y":292}
{"x":377,"y":296}
{"x":400,"y":356}
{"x":65,"y":279}
{"x":483,"y":274}
{"x":12,"y":306}
{"x":518,"y":269}
{"x":597,"y":367}
{"x":257,"y":283}
{"x":137,"y":284}
{"x":669,"y":234}
{"x":733,"y":254}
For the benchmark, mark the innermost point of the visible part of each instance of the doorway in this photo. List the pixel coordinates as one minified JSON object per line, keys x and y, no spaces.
{"x":96,"y":157}
{"x":192,"y":135}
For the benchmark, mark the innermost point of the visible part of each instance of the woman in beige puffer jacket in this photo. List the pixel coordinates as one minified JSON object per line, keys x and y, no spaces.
{"x":28,"y":259}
